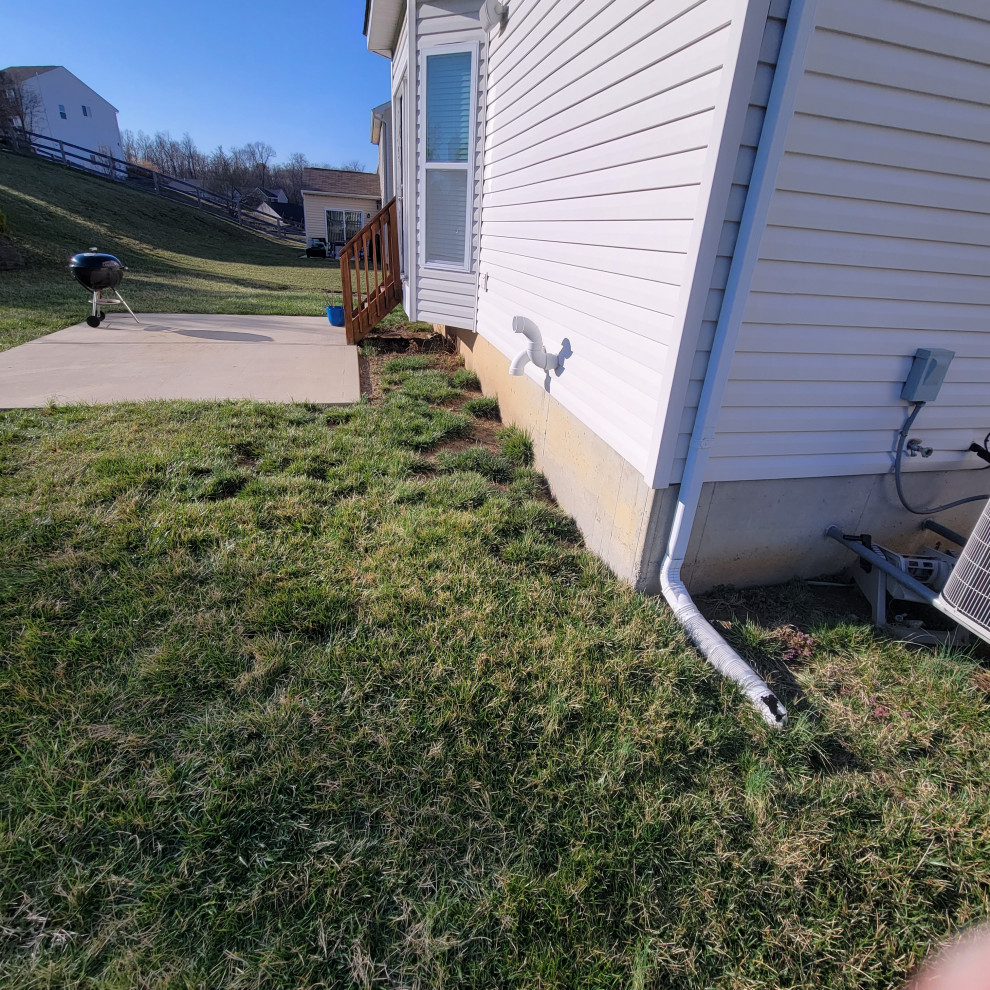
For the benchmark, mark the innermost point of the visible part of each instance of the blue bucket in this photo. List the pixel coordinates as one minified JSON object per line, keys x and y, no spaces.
{"x":335,"y":314}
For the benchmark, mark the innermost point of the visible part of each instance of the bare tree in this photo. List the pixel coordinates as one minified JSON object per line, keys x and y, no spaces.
{"x":193,"y":160}
{"x":19,"y":108}
{"x":103,"y":159}
{"x":128,"y":143}
{"x":258,"y":156}
{"x":289,"y":176}
{"x":352,"y":165}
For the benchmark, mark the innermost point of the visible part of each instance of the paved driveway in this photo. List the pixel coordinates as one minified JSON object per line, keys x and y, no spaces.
{"x":183,"y":356}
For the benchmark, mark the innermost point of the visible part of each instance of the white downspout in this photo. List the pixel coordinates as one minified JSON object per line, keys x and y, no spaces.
{"x":780,"y":108}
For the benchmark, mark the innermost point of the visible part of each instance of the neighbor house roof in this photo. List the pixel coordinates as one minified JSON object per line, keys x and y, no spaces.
{"x":18,"y":73}
{"x":342,"y":182}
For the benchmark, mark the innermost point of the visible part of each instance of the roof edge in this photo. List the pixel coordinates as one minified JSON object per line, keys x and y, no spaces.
{"x":382,"y":19}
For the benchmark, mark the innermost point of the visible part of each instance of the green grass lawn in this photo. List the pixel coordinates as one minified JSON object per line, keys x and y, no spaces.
{"x":296,"y":697}
{"x":180,"y":260}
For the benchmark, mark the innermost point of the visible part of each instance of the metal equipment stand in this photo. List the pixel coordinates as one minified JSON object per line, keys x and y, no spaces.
{"x":107,"y":297}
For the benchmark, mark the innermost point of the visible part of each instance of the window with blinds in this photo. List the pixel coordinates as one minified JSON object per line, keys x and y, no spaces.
{"x":451,"y":96}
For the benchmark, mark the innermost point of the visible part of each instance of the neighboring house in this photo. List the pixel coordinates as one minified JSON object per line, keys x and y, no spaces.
{"x":273,"y":196}
{"x":760,"y":207}
{"x":337,"y":202}
{"x":61,"y":106}
{"x":289,"y":212}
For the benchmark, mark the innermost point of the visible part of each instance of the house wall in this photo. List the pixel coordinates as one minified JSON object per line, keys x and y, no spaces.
{"x":61,"y":86}
{"x":315,"y":206}
{"x":595,"y":164}
{"x":604,"y":493}
{"x":878,"y":243}
{"x":444,"y":296}
{"x":755,"y":113}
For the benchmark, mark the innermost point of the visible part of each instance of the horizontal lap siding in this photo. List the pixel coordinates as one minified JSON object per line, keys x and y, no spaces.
{"x":769,"y":51}
{"x":315,"y":209}
{"x":598,"y":120}
{"x":878,"y":243}
{"x":444,"y":296}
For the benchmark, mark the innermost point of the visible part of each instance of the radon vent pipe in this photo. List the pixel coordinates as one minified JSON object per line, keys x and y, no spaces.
{"x":535,"y":351}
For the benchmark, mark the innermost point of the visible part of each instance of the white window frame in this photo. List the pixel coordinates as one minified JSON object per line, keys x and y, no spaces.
{"x":468,"y":166}
{"x":400,"y":137}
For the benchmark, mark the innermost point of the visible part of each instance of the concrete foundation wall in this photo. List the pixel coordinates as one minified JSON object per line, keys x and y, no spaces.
{"x":766,"y":532}
{"x":605,"y":494}
{"x":745,"y":533}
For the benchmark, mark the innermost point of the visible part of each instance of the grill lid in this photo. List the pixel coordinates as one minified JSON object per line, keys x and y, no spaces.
{"x":93,"y":258}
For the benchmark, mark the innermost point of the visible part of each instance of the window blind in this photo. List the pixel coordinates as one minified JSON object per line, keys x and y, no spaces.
{"x":446,"y":215}
{"x":448,"y":107}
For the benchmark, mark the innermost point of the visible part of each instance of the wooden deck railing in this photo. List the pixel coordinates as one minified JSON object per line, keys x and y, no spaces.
{"x":369,"y":274}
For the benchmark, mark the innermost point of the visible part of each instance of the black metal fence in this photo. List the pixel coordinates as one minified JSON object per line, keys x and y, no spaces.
{"x":139,"y":177}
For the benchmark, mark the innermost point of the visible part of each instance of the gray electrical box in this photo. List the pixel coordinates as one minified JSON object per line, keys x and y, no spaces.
{"x":927,"y":374}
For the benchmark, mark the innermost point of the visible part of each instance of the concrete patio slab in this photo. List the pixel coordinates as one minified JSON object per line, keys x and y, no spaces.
{"x":183,"y":356}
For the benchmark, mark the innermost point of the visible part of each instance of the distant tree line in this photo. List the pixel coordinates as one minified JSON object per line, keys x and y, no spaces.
{"x":243,"y":170}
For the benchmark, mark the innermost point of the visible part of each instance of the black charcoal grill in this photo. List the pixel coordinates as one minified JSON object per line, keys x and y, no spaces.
{"x":100,"y":274}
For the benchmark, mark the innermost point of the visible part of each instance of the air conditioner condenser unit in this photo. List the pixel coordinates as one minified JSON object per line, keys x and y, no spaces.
{"x":965,"y":598}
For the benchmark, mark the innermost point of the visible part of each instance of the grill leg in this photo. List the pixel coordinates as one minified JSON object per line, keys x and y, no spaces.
{"x":93,"y":319}
{"x":121,"y":300}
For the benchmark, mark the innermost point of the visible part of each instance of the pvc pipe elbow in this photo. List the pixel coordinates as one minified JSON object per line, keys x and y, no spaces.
{"x":519,"y":362}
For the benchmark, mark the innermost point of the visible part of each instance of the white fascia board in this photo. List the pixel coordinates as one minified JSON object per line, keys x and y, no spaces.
{"x":384,"y":20}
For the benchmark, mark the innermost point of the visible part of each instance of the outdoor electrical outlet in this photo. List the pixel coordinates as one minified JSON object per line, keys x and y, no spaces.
{"x":927,"y":374}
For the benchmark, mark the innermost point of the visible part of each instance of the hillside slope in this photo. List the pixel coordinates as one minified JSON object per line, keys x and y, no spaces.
{"x":180,"y":260}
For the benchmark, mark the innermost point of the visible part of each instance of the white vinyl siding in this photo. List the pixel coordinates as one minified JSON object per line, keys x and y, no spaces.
{"x":769,"y":52}
{"x":58,"y":98}
{"x":598,"y":122}
{"x":315,"y":206}
{"x":878,"y":242}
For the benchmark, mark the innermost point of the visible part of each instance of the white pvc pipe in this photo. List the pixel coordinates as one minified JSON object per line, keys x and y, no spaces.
{"x":790,"y":63}
{"x":535,"y":351}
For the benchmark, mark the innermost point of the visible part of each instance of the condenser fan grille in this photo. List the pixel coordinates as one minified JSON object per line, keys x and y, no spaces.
{"x":967,"y":592}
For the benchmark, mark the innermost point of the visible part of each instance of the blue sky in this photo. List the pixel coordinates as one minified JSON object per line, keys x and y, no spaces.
{"x":299,"y":77}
